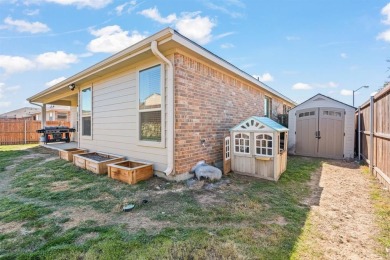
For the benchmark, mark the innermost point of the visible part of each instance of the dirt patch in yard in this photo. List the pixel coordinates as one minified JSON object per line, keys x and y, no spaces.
{"x":59,"y":186}
{"x":342,"y":224}
{"x":10,"y":227}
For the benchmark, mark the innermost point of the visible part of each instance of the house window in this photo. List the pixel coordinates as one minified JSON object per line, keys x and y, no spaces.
{"x":227,"y":148}
{"x":241,"y":143}
{"x":51,"y":116}
{"x":267,"y":106}
{"x":86,"y":112}
{"x":150,"y":104}
{"x":263,"y":144}
{"x":62,"y":116}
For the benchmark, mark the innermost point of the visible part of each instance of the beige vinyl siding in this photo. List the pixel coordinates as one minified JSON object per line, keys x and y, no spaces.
{"x":114,"y":126}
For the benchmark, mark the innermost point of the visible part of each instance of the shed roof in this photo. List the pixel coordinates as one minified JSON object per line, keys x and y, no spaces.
{"x":254,"y":123}
{"x":329,"y":98}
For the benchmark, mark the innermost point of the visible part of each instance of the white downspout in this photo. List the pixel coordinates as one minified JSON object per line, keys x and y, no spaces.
{"x":170,"y":107}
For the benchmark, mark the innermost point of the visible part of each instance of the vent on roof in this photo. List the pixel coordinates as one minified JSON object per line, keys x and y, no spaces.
{"x":319,"y":99}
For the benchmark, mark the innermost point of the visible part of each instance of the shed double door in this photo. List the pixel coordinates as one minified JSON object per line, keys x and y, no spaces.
{"x":320,"y":132}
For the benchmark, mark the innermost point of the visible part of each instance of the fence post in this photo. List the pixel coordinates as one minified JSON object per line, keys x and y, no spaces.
{"x":359,"y":134}
{"x":371,"y":134}
{"x":25,"y":131}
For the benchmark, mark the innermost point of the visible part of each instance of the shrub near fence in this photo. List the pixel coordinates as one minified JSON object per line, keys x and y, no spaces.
{"x":23,"y":131}
{"x":375,"y":130}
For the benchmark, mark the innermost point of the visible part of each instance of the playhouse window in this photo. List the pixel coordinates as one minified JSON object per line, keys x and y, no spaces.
{"x":241,"y":143}
{"x":263,"y":144}
{"x":282,"y":142}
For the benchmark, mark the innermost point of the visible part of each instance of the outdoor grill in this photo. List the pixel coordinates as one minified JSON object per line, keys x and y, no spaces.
{"x":56,"y":133}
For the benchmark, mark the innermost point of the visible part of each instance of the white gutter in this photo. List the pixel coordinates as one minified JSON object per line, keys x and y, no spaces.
{"x":170,"y":108}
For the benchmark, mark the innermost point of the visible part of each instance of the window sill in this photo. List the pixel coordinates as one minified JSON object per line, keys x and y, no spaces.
{"x":264,"y":158}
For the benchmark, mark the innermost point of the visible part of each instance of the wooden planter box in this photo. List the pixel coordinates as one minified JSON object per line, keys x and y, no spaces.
{"x":67,"y":154}
{"x":130,"y":172}
{"x":95,"y":162}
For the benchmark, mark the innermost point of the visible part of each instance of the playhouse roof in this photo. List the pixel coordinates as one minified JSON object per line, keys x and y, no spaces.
{"x":256,"y":123}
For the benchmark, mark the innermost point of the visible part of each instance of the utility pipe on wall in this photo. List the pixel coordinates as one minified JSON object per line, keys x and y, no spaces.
{"x":170,"y":108}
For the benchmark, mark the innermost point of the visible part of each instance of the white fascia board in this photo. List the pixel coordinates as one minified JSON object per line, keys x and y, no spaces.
{"x":114,"y":59}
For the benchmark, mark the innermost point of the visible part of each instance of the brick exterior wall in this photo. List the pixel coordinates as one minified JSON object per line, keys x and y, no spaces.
{"x":208,"y":103}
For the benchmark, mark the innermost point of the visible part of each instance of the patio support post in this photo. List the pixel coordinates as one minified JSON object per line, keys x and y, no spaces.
{"x":371,"y":134}
{"x":43,"y":120}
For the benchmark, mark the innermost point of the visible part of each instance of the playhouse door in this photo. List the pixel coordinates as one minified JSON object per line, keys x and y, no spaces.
{"x":226,"y":155}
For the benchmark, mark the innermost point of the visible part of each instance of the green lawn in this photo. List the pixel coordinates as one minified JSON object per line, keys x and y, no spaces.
{"x":50,"y":209}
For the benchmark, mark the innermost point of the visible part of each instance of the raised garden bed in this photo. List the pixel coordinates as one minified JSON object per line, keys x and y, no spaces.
{"x":130,"y":172}
{"x":95,"y":162}
{"x":67,"y":154}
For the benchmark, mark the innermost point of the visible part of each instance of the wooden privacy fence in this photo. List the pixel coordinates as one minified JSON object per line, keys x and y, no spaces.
{"x":23,"y":131}
{"x":374,"y":134}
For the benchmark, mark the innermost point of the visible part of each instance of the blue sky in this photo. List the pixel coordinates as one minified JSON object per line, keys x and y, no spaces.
{"x":298,"y":47}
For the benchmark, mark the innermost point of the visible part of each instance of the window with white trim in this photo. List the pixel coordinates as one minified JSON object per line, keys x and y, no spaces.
{"x":242,"y":143}
{"x":227,"y":148}
{"x":268,"y":107}
{"x":86,"y":112}
{"x":149,"y":91}
{"x":263,"y":144}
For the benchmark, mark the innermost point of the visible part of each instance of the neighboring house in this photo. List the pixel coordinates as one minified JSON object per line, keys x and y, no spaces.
{"x":55,"y":113}
{"x":322,"y":127}
{"x":164,"y":100}
{"x":24,"y":112}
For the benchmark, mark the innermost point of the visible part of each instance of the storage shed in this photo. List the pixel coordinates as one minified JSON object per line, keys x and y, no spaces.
{"x":322,"y":127}
{"x":259,"y":148}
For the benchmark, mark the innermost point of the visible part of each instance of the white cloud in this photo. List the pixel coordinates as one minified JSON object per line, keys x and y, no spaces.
{"x":4,"y":89}
{"x":55,"y":60}
{"x":155,"y":15}
{"x":54,"y":81}
{"x":13,"y":64}
{"x":95,"y":4}
{"x":195,"y":27}
{"x":112,"y":39}
{"x":47,"y":60}
{"x":346,"y":92}
{"x":130,"y":7}
{"x":225,"y":10}
{"x":192,"y":25}
{"x":343,"y":55}
{"x":31,"y":12}
{"x":292,"y":38}
{"x":13,"y":88}
{"x":24,"y":26}
{"x":266,"y":77}
{"x":384,"y":36}
{"x":301,"y":86}
{"x":5,"y":103}
{"x":227,"y":45}
{"x":386,"y":12}
{"x":332,"y":84}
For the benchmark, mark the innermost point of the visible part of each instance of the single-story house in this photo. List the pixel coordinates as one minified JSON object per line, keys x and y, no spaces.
{"x":53,"y":113}
{"x":322,"y":127}
{"x":164,"y":100}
